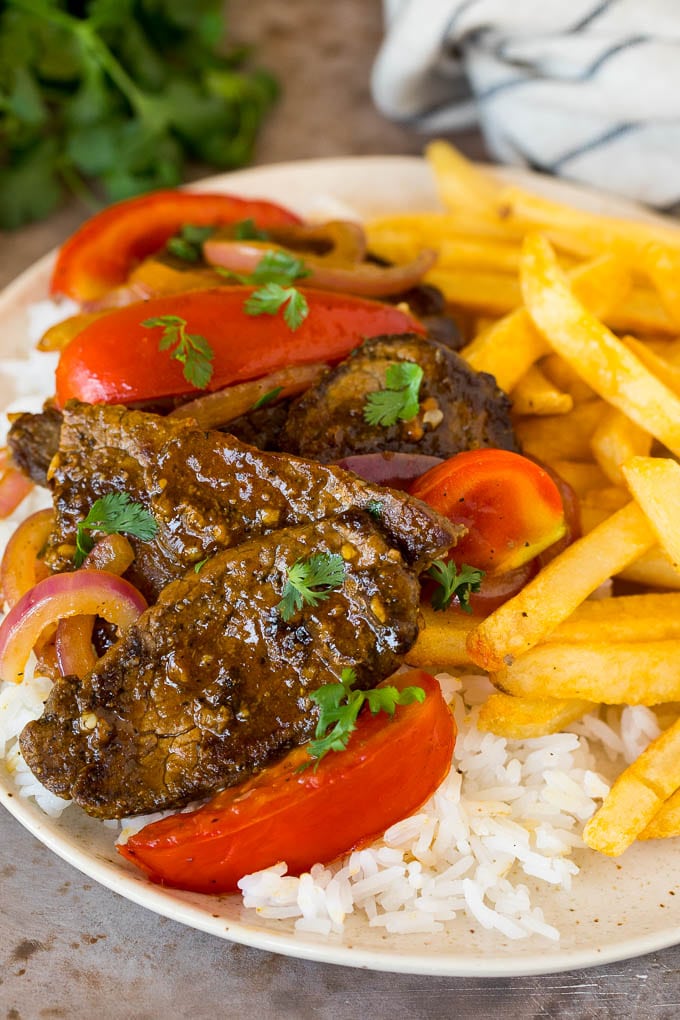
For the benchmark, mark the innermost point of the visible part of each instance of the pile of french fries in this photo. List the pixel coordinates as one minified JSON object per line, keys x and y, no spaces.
{"x":577,"y":315}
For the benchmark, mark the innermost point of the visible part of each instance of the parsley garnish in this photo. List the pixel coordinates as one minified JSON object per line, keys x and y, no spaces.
{"x":115,"y":513}
{"x":267,"y":398}
{"x":375,"y":507}
{"x":246,"y":230}
{"x":188,"y":244}
{"x":274,"y":275}
{"x":198,"y":567}
{"x":191,"y":349}
{"x":454,"y":584}
{"x":399,"y":399}
{"x":339,"y":706}
{"x":310,"y":581}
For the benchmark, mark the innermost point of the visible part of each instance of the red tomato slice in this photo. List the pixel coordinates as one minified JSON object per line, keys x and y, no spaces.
{"x":390,"y":767}
{"x":511,"y":506}
{"x":115,"y":359}
{"x":102,"y":252}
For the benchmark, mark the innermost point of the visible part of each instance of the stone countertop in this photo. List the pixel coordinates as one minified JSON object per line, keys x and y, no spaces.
{"x":72,"y":949}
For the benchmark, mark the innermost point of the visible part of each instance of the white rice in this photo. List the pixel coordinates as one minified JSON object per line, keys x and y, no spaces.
{"x":507,"y":812}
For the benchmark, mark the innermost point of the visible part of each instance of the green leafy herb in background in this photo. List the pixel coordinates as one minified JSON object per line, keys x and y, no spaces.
{"x":339,"y":705}
{"x":116,"y":513}
{"x":117,"y":92}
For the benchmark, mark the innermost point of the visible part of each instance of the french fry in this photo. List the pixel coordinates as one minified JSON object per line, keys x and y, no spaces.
{"x":588,"y":345}
{"x":619,"y":673}
{"x":653,"y":570}
{"x":521,"y":718}
{"x":478,"y":290}
{"x":460,"y":183}
{"x":637,"y":795}
{"x":653,"y":616}
{"x":441,"y":640}
{"x":535,"y":394}
{"x":511,"y":346}
{"x":582,"y":477}
{"x":641,"y":311}
{"x":565,"y":378}
{"x":616,"y":439}
{"x":562,"y":436}
{"x":667,"y":371}
{"x":666,"y":822}
{"x":662,"y":265}
{"x":655,"y":484}
{"x":559,"y":588}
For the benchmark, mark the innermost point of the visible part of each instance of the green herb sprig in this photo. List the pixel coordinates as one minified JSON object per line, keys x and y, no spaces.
{"x":115,"y":513}
{"x":118,"y":95}
{"x":453,"y":582}
{"x":191,"y":349}
{"x":339,"y":706}
{"x":275,"y":275}
{"x":398,"y":401}
{"x":310,"y":581}
{"x":187,"y":244}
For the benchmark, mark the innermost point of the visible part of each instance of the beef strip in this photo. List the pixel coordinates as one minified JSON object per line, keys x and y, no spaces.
{"x":210,"y":684}
{"x":460,"y":409}
{"x":33,"y":439}
{"x":208,"y":492}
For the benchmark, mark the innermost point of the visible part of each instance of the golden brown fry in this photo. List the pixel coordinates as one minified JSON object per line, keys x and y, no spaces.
{"x":641,"y":311}
{"x":653,"y":570}
{"x":559,"y":588}
{"x":619,"y":673}
{"x":561,"y":437}
{"x":656,"y":362}
{"x":521,"y":718}
{"x":460,"y":183}
{"x":603,"y":361}
{"x":637,"y":795}
{"x":565,"y":378}
{"x":478,"y":290}
{"x":653,"y":616}
{"x":666,"y":822}
{"x":581,"y":476}
{"x":662,"y":265}
{"x":616,"y":439}
{"x":441,"y":641}
{"x":535,"y":394}
{"x":655,"y":484}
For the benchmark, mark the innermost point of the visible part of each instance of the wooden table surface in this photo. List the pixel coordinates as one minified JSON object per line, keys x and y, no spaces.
{"x":70,"y":948}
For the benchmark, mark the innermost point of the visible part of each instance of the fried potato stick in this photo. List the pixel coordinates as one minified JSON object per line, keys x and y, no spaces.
{"x":559,"y":588}
{"x":637,"y":795}
{"x":604,"y":362}
{"x":521,"y":718}
{"x":620,"y":673}
{"x":655,"y":484}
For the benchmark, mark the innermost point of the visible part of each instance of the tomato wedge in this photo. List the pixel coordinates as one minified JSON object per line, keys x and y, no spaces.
{"x":511,"y":506}
{"x":102,"y":252}
{"x":390,"y":767}
{"x":115,"y":359}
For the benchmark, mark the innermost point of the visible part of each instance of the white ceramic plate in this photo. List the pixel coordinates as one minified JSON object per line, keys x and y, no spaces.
{"x":617,"y":909}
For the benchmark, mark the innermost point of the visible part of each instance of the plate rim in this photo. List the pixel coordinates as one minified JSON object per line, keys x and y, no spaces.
{"x":171,"y":904}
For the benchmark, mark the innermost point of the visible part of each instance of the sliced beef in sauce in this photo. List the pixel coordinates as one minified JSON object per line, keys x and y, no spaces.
{"x":460,"y":409}
{"x":33,"y":439}
{"x":210,"y":684}
{"x":208,"y":492}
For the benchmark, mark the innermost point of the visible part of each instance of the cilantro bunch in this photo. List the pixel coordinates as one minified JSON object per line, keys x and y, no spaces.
{"x":117,"y":93}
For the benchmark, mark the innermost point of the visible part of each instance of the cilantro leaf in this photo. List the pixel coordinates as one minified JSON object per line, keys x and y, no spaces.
{"x":191,"y":349}
{"x":267,"y":398}
{"x":268,"y":300}
{"x":339,"y":706}
{"x":187,"y":244}
{"x":247,"y":230}
{"x":310,"y":581}
{"x":115,"y":513}
{"x":453,"y":583}
{"x":398,"y":401}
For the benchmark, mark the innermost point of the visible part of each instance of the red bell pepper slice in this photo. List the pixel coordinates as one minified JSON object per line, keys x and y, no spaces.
{"x":511,"y":506}
{"x":116,"y":359}
{"x":390,"y":767}
{"x":101,"y":254}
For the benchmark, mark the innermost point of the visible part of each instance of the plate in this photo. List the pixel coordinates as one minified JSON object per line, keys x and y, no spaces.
{"x":617,"y":909}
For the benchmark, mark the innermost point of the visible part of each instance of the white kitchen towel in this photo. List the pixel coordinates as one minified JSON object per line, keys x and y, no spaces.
{"x":585,"y":89}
